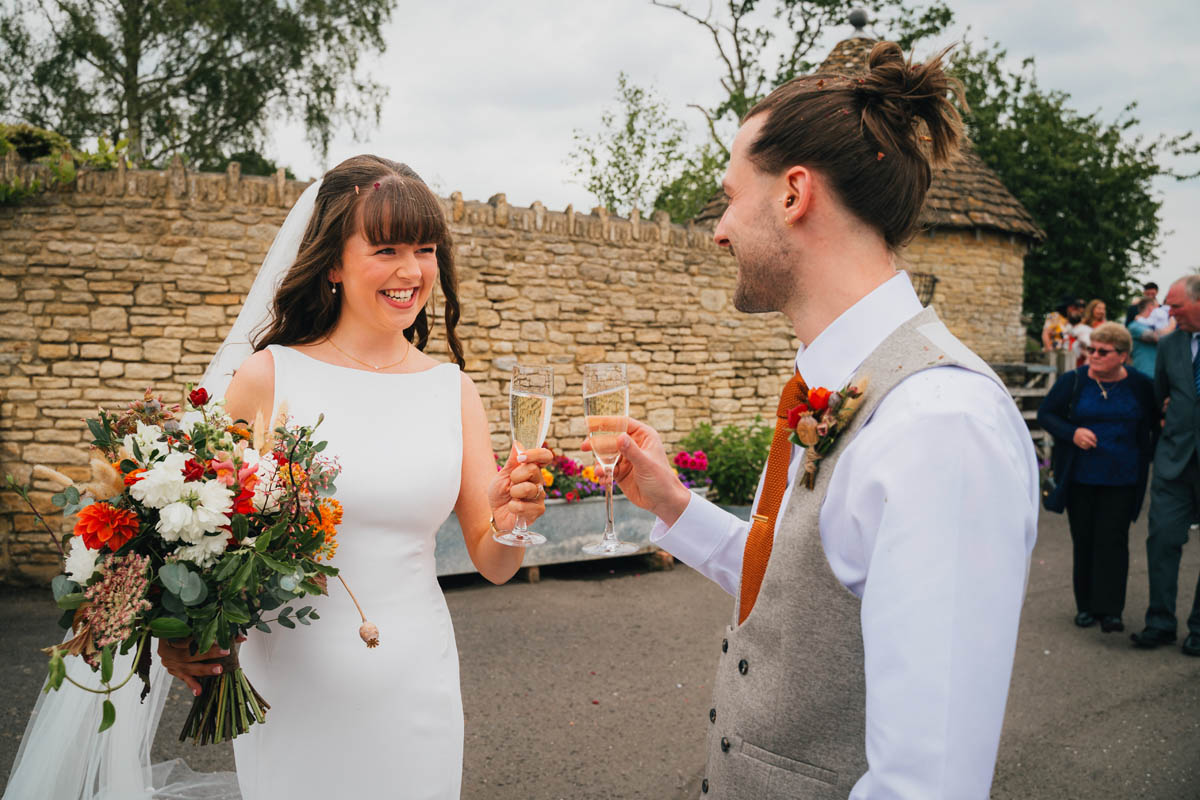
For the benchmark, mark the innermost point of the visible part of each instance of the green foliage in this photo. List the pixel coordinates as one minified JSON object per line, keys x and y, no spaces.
{"x":251,"y":161}
{"x":736,"y":457}
{"x":196,"y":79}
{"x":1087,"y":182}
{"x":634,"y":153}
{"x":53,"y":151}
{"x":698,"y":179}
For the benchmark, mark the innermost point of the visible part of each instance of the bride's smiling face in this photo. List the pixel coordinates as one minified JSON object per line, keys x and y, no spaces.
{"x":385,"y":285}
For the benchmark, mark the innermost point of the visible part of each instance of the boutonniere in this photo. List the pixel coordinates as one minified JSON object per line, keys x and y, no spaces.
{"x":820,"y":418}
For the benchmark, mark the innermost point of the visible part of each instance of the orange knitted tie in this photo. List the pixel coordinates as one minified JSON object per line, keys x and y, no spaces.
{"x":762,"y":529}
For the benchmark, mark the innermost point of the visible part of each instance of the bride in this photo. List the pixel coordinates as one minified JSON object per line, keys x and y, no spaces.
{"x":349,"y":281}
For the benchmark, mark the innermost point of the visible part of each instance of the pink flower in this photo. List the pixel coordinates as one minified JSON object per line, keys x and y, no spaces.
{"x":226,"y":473}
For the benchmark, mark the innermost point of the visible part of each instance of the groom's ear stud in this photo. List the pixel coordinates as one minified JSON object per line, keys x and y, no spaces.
{"x":790,"y":201}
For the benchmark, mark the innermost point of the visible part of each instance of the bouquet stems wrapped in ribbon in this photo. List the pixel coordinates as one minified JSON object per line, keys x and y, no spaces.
{"x":192,"y":527}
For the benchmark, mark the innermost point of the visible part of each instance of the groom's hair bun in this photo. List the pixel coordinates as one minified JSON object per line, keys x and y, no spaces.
{"x":873,"y":135}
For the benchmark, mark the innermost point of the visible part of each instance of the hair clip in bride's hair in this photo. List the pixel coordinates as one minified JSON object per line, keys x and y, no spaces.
{"x":376,"y":184}
{"x":879,"y":156}
{"x":356,"y":190}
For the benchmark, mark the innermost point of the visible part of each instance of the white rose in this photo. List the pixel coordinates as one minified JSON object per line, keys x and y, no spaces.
{"x":81,"y":562}
{"x":205,"y":552}
{"x":162,"y":484}
{"x":148,"y":441}
{"x":178,"y":521}
{"x":215,"y":502}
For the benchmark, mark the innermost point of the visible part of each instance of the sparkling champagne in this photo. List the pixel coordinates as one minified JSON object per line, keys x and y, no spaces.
{"x":530,"y":418}
{"x":607,"y":418}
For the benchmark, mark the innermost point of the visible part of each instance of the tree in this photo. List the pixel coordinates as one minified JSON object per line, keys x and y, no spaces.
{"x":1087,"y":182}
{"x":635,"y":152}
{"x":755,"y":55}
{"x":199,"y":78}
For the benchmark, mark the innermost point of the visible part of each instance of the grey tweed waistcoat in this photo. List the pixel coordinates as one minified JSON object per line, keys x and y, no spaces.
{"x":788,"y":716}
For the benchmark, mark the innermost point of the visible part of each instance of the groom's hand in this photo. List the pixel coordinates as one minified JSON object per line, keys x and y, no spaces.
{"x":645,"y":475}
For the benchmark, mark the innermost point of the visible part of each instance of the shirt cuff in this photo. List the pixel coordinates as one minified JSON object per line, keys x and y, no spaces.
{"x":702,"y":532}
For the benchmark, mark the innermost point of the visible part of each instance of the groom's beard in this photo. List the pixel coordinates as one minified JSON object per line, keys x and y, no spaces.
{"x":766,"y":280}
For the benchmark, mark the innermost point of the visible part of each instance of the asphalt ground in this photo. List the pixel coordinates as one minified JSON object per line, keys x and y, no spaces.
{"x":595,"y":683}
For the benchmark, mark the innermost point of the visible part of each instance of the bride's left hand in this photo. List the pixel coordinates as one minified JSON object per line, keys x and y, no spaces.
{"x":518,"y":489}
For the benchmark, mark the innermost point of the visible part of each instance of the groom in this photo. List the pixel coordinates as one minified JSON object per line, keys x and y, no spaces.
{"x":876,"y":614}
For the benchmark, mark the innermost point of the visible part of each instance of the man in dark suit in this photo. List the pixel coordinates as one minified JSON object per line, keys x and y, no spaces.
{"x":1175,"y":490}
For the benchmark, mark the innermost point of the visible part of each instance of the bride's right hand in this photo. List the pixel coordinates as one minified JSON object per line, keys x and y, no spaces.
{"x":176,"y":657}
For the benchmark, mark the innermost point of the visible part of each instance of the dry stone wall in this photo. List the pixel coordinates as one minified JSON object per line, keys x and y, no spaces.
{"x":129,"y":280}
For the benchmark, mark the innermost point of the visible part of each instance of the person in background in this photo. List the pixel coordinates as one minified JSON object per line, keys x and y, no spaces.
{"x":1175,"y":493}
{"x":1146,"y":336}
{"x":1094,"y":314}
{"x":1149,"y":292}
{"x":1104,"y":418}
{"x":1056,"y":333}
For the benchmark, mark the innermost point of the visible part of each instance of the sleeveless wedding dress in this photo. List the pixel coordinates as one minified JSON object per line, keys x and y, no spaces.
{"x":345,"y":720}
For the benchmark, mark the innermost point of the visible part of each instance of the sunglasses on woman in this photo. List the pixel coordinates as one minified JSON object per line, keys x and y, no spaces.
{"x":1100,"y":351}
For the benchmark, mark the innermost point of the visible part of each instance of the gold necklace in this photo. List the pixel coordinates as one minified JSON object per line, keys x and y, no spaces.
{"x":367,"y":364}
{"x":1103,"y":391}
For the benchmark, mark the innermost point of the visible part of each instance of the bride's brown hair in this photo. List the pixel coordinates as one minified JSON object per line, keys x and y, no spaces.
{"x":389,"y":204}
{"x":873,"y":136}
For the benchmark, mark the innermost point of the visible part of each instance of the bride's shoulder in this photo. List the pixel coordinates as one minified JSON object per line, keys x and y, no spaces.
{"x":252,"y":387}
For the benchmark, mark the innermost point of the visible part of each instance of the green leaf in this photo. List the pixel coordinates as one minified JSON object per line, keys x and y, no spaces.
{"x":59,"y":500}
{"x":109,"y":716}
{"x":287,"y":612}
{"x":172,"y":603}
{"x":72,"y":494}
{"x":282,"y":567}
{"x":289,"y":583}
{"x":98,"y":432}
{"x":324,"y":569}
{"x":238,"y":582}
{"x":314,"y":615}
{"x":236,"y":611}
{"x":170,"y":628}
{"x":208,"y":634}
{"x":303,"y":620}
{"x":128,"y":465}
{"x":303,"y":612}
{"x":106,"y":664}
{"x":311,"y":588}
{"x":228,"y":564}
{"x":264,"y":627}
{"x":240,"y":526}
{"x":70,"y":601}
{"x":286,"y":622}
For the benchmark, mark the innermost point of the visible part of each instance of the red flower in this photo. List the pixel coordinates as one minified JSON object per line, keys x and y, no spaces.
{"x":198,"y":397}
{"x":818,"y":399}
{"x":101,"y":524}
{"x":193,"y":470}
{"x":572,"y":496}
{"x":794,"y":415}
{"x":244,"y":502}
{"x":134,"y":476}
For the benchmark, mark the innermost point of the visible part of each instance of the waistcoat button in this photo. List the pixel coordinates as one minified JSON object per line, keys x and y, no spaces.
{"x":704,"y":786}
{"x":743,"y":666}
{"x":712,"y":715}
{"x":724,"y":645}
{"x":724,"y":745}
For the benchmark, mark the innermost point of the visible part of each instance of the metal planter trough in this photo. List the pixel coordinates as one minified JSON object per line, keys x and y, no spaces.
{"x":567,"y":528}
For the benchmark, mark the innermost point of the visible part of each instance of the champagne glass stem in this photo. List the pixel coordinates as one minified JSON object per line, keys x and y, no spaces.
{"x":610,"y":533}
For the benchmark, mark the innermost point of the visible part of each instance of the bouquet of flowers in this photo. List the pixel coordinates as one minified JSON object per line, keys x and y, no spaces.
{"x":567,"y":479}
{"x":191,"y":526}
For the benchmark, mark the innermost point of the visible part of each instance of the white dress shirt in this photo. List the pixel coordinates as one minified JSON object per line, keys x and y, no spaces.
{"x":930,"y":517}
{"x":1159,"y":318}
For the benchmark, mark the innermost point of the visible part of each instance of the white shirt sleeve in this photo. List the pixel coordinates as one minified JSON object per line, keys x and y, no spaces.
{"x":941,"y":508}
{"x":708,"y":539}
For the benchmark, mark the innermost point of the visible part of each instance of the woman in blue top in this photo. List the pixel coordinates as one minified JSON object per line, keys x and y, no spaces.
{"x":1104,"y":421}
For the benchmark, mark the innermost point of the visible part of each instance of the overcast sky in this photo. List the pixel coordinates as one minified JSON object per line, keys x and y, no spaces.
{"x":484,"y":97}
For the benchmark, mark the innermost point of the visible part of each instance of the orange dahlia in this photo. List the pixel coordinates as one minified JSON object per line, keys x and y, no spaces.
{"x":325,"y":517}
{"x":101,"y":524}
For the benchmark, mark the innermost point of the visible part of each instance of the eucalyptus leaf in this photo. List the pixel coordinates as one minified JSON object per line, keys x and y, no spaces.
{"x":264,"y":627}
{"x":194,"y":590}
{"x":59,"y":499}
{"x":286,"y":622}
{"x":62,"y":585}
{"x":173,"y":577}
{"x":303,"y":612}
{"x":72,"y":494}
{"x":109,"y":716}
{"x":314,"y":615}
{"x":172,"y":603}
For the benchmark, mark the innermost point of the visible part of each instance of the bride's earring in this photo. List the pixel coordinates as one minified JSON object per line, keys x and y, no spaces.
{"x":333,"y":287}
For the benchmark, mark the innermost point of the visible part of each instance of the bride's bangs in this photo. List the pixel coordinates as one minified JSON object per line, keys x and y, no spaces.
{"x":401,"y":211}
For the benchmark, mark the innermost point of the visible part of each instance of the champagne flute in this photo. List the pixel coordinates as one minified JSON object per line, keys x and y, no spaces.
{"x":530,"y":399}
{"x":606,"y":406}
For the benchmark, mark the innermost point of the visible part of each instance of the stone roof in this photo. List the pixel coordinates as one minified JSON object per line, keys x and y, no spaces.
{"x":965,"y":193}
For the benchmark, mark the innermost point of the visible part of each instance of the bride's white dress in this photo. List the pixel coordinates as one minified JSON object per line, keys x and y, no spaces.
{"x":345,"y":720}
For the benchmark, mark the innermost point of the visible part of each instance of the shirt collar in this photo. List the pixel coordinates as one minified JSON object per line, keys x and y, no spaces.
{"x":838,"y":351}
